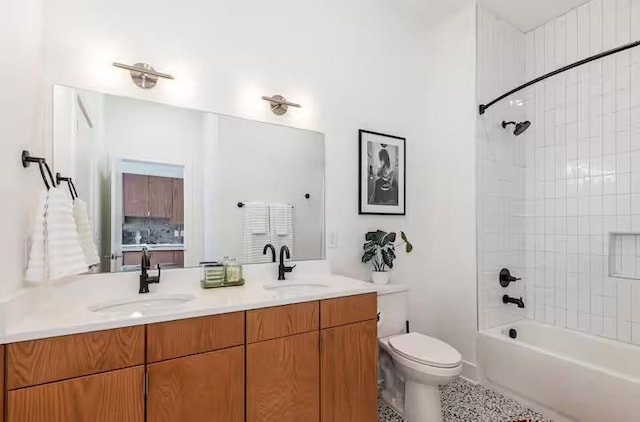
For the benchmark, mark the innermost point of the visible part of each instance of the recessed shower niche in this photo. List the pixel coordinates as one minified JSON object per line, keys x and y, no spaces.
{"x":624,"y":255}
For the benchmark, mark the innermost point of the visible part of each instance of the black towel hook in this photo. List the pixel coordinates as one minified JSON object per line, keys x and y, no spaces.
{"x":27,"y":159}
{"x":70,"y":185}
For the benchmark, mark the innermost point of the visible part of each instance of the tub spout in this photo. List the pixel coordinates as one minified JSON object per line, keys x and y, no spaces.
{"x":507,"y":299}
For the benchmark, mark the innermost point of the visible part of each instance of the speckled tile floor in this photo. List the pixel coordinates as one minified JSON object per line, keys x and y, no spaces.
{"x":463,"y":401}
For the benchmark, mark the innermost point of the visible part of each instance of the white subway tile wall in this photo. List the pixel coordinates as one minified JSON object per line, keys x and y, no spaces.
{"x":501,"y":172}
{"x":551,"y":197}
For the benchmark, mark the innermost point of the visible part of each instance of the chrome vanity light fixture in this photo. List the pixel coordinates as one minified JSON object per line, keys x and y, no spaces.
{"x":279,"y":104}
{"x":143,"y":75}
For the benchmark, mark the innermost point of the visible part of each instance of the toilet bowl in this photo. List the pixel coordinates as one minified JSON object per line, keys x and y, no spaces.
{"x":424,"y":363}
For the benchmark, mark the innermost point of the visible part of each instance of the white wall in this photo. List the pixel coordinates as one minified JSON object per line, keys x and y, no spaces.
{"x":21,"y":76}
{"x":441,"y":201}
{"x":375,"y":65}
{"x":585,"y":172}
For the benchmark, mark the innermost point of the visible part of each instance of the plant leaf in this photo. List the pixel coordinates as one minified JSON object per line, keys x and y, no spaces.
{"x":409,"y":246}
{"x":368,"y":246}
{"x":392,"y":252}
{"x":388,"y":238}
{"x":368,"y":256}
{"x":386,"y":258}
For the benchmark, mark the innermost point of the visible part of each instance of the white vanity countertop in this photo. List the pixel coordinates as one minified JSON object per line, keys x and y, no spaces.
{"x":49,"y":311}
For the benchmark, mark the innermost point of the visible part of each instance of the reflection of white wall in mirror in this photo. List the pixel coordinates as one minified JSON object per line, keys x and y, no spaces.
{"x":78,"y":124}
{"x":148,"y":132}
{"x":283,"y":165}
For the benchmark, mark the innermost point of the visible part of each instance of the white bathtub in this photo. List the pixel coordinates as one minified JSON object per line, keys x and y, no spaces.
{"x":574,"y":375}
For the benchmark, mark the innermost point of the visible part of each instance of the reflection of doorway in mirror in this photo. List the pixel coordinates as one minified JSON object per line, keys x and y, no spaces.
{"x":148,"y":212}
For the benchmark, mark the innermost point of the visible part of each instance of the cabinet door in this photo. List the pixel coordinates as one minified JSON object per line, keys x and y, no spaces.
{"x":348,"y":373}
{"x":131,"y":258}
{"x":135,"y":198}
{"x":178,"y":201}
{"x":206,"y":387}
{"x":106,"y":397}
{"x":160,"y":197}
{"x":179,"y":258}
{"x":283,"y":379}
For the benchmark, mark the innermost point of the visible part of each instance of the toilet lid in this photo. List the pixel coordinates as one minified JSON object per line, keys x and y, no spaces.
{"x":426,"y":350}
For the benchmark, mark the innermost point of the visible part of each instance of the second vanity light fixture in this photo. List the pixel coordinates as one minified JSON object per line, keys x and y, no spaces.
{"x":143,"y":74}
{"x":279,"y":104}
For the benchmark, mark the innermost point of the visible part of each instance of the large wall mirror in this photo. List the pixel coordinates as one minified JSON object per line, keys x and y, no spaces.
{"x":190,"y":186}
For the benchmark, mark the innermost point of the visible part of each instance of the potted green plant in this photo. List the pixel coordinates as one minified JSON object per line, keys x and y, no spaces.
{"x":380,"y":251}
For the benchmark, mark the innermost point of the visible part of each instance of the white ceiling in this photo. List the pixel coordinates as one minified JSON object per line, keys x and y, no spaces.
{"x":528,"y":14}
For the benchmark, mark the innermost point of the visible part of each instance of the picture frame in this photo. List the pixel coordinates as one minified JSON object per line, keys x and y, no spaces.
{"x":382,"y":174}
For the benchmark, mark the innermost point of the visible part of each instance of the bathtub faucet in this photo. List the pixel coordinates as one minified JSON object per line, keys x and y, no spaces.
{"x":506,"y":299}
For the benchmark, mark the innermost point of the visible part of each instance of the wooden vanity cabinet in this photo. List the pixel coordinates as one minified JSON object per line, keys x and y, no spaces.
{"x":95,"y":376}
{"x":198,"y":388}
{"x":107,"y":397}
{"x":195,"y":369}
{"x":283,"y":363}
{"x":348,"y":360}
{"x":311,"y":362}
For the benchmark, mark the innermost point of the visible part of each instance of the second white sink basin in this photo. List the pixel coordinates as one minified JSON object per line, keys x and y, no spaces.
{"x":295,"y":288}
{"x":142,"y":304}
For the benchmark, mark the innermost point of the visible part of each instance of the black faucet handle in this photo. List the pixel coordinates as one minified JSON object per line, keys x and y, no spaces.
{"x":289,"y":269}
{"x":506,"y":278}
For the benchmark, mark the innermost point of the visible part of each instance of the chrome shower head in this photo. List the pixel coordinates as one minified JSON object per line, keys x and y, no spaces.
{"x":520,"y":127}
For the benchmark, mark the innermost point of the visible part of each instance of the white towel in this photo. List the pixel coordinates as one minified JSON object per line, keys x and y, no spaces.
{"x":256,"y":216}
{"x":64,"y":251}
{"x":85,"y":232}
{"x":255,"y":233}
{"x":281,"y":226}
{"x":281,"y":216}
{"x":55,"y":250}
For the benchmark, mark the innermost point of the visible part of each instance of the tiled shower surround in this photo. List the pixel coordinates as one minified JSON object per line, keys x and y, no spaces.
{"x":579,"y":169}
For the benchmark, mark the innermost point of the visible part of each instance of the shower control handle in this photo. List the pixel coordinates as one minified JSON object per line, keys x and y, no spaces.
{"x":506,"y":278}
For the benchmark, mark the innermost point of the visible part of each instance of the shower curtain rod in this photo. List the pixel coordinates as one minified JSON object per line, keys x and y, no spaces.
{"x":484,"y":107}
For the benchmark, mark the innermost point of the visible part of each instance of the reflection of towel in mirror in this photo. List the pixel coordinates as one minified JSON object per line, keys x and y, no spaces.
{"x":37,"y":267}
{"x":281,"y":222}
{"x":85,"y":232}
{"x":55,"y":251}
{"x":255,"y":233}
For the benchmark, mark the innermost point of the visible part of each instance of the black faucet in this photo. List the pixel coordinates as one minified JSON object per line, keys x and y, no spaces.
{"x":145,"y":278}
{"x":273,"y":251}
{"x":282,"y":269}
{"x":506,"y":299}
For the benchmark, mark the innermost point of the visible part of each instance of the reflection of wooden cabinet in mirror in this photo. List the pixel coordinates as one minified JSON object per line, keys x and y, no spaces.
{"x":153,"y":196}
{"x":164,"y":258}
{"x":177,"y":215}
{"x":135,"y":201}
{"x":160,"y":197}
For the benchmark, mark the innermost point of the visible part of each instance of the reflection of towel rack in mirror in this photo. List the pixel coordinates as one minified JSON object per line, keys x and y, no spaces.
{"x":27,"y":159}
{"x":241,"y":204}
{"x":72,"y":187}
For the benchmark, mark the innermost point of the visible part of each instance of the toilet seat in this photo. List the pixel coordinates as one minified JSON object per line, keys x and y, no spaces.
{"x":425,"y":350}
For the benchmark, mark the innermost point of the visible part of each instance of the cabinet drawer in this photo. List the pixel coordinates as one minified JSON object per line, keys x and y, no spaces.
{"x":281,"y":321}
{"x":169,"y":340}
{"x":347,"y":310}
{"x":58,"y":358}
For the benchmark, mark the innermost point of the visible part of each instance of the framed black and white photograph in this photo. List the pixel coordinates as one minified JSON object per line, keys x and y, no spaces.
{"x":382,"y":174}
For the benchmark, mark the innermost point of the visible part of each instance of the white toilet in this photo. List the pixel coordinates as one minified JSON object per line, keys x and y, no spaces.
{"x":420,"y":362}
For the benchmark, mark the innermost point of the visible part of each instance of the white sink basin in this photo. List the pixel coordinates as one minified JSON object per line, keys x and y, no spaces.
{"x":295,"y":288}
{"x":142,"y":304}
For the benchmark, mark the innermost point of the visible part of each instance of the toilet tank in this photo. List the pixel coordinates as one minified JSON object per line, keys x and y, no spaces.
{"x":392,"y":307}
